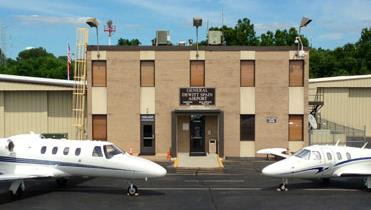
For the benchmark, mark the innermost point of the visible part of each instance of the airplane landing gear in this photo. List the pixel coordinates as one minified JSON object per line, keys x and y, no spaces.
{"x":283,"y":186}
{"x":17,"y":188}
{"x":133,"y":190}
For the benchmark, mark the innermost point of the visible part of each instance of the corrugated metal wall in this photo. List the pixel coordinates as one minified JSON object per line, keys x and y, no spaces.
{"x":38,"y":111}
{"x":60,"y":112}
{"x":348,"y":106}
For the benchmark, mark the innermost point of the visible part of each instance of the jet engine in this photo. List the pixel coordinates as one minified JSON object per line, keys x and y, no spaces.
{"x":7,"y":145}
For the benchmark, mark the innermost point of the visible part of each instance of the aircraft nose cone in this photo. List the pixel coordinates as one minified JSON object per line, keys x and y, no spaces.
{"x":158,"y":171}
{"x":268,"y":171}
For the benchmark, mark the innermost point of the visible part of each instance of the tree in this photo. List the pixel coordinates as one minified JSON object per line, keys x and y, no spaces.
{"x":2,"y":57}
{"x":37,"y":62}
{"x":127,"y":42}
{"x":267,"y":39}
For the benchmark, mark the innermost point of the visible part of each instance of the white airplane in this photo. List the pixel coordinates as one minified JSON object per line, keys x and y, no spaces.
{"x":320,"y":161}
{"x":31,"y":156}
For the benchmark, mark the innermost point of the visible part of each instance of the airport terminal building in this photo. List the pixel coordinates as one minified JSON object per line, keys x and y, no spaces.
{"x":229,"y":100}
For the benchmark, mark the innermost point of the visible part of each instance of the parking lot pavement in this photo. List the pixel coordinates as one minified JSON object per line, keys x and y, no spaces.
{"x":239,"y":186}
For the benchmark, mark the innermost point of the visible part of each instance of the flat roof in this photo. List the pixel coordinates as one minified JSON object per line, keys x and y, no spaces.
{"x":36,"y":80}
{"x":193,"y":47}
{"x":339,"y":78}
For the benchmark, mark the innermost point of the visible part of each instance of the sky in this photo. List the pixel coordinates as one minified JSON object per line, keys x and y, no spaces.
{"x":52,"y":24}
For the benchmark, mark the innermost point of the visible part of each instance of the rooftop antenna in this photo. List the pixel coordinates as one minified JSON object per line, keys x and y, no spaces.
{"x":110,"y":29}
{"x":197,"y":22}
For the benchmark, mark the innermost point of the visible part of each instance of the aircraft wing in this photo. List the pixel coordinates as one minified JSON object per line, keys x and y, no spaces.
{"x":280,"y":152}
{"x":353,"y":168}
{"x":32,"y":172}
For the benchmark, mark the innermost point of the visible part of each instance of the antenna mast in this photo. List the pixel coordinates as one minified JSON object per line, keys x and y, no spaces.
{"x":110,"y":29}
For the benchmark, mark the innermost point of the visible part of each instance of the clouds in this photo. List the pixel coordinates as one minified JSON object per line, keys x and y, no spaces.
{"x":52,"y":20}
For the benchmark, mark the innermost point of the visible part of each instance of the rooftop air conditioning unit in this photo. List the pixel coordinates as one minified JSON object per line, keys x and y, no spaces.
{"x":162,"y":38}
{"x":215,"y":37}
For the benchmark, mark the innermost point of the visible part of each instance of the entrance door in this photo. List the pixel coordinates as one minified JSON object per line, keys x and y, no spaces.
{"x":197,"y":128}
{"x":147,"y":135}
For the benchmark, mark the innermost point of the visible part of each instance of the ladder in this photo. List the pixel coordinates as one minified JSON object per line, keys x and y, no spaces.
{"x":79,"y":88}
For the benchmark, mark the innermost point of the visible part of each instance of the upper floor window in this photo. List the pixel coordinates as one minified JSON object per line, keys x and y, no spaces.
{"x":197,"y":73}
{"x":147,"y":73}
{"x":99,"y":74}
{"x":99,"y":127}
{"x":66,"y":150}
{"x":97,"y":152}
{"x":77,"y":151}
{"x":296,"y":73}
{"x":43,"y":150}
{"x":54,"y":150}
{"x":247,"y":73}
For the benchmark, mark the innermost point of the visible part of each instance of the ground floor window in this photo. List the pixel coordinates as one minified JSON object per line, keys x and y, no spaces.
{"x":296,"y":128}
{"x":247,"y":127}
{"x":99,"y":127}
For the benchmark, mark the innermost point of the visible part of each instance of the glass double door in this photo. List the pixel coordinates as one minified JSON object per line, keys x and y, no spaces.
{"x":148,"y":137}
{"x":197,"y":135}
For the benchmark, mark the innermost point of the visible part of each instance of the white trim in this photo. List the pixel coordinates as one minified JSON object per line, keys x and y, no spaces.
{"x":37,"y":80}
{"x":340,"y":78}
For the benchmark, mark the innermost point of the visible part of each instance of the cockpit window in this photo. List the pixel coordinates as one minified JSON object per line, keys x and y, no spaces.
{"x":111,"y":150}
{"x":97,"y":152}
{"x":304,"y":154}
{"x":316,"y":155}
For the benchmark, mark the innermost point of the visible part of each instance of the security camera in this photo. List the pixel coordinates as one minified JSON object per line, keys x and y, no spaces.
{"x":301,"y":54}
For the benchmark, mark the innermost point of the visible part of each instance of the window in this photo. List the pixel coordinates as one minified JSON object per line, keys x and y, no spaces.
{"x":296,"y":128}
{"x":97,"y":152}
{"x":348,"y":156}
{"x":66,"y":150}
{"x":54,"y":150}
{"x":111,"y":150}
{"x":303,"y":153}
{"x":99,"y":127}
{"x":296,"y":73}
{"x":247,"y":74}
{"x":197,"y":73}
{"x":77,"y":151}
{"x":99,"y":72}
{"x":147,"y":73}
{"x":247,"y":127}
{"x":43,"y":150}
{"x":329,"y":156}
{"x":316,"y":155}
{"x":339,"y":156}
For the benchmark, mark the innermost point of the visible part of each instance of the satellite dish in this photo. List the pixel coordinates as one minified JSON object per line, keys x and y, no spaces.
{"x":312,"y":121}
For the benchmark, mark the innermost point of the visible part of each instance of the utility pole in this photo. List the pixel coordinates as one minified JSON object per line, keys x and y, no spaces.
{"x":3,"y":44}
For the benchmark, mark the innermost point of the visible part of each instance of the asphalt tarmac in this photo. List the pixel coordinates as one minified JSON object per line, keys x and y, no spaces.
{"x":239,"y":186}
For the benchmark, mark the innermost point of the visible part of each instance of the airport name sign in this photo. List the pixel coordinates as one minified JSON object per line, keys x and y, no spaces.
{"x":197,"y":96}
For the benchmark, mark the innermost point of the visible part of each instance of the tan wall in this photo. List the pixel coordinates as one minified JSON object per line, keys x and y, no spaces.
{"x":247,"y":148}
{"x":350,"y":107}
{"x":147,"y":100}
{"x":60,"y":113}
{"x":123,"y":99}
{"x":172,"y":72}
{"x":296,"y":100}
{"x":272,"y":99}
{"x":18,"y":86}
{"x":222,"y":71}
{"x":99,"y":100}
{"x":247,"y":99}
{"x":25,"y":112}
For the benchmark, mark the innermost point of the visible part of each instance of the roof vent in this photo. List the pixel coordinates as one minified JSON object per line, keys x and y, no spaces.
{"x":215,"y":37}
{"x":162,"y":38}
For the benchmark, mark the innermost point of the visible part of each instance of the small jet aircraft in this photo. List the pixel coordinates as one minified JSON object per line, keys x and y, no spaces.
{"x":31,"y":156}
{"x":320,"y":162}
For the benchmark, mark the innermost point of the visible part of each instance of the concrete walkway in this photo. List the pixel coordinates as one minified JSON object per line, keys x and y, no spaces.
{"x":211,"y":161}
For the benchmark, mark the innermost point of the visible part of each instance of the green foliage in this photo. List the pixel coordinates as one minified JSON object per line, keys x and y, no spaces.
{"x":127,"y":42}
{"x":36,"y":62}
{"x":350,"y":59}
